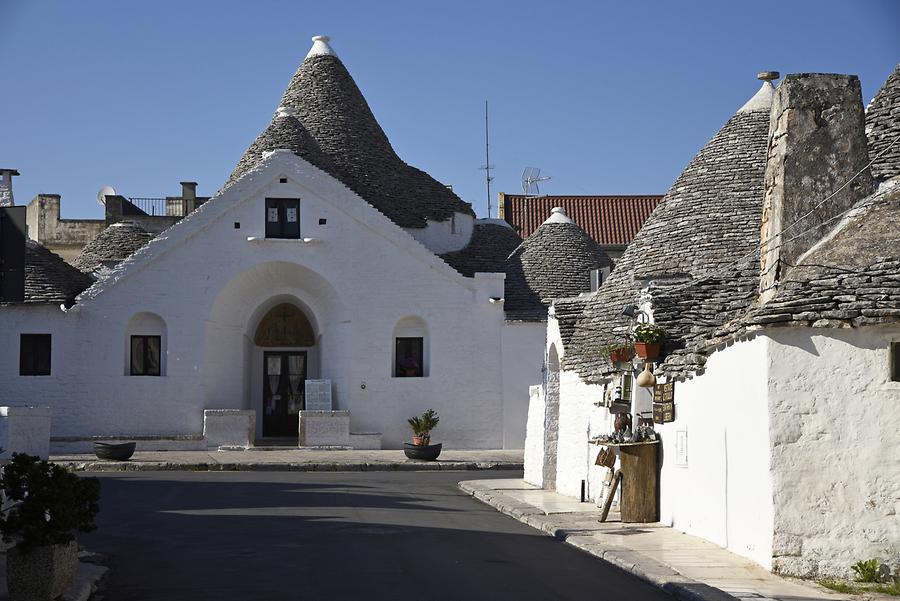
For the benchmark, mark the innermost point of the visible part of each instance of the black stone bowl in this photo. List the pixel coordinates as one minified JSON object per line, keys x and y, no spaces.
{"x":114,"y":451}
{"x":422,"y":453}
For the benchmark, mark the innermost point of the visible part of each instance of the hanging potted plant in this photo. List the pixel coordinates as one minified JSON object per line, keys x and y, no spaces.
{"x":621,"y":352}
{"x":421,"y":447}
{"x":648,"y":339}
{"x":45,"y":504}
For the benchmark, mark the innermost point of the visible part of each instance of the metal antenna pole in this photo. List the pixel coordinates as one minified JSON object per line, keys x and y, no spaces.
{"x":487,"y":159}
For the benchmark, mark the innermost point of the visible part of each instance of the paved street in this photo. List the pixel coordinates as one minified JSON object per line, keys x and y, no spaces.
{"x":283,"y":535}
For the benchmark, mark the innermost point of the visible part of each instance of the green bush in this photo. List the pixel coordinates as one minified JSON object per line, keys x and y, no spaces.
{"x":648,"y":333}
{"x":46,"y":503}
{"x":866,"y":571}
{"x":422,"y":425}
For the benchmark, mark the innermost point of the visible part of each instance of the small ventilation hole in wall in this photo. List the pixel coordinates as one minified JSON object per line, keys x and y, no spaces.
{"x":282,"y":180}
{"x":237,"y":225}
{"x":323,"y":221}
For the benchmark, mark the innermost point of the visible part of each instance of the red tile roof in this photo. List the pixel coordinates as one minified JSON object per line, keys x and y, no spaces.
{"x":609,"y":220}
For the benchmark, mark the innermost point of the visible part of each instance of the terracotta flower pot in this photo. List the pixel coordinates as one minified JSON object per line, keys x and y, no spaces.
{"x":621,"y":355}
{"x":418,"y":440}
{"x":43,"y":573}
{"x":647,"y":350}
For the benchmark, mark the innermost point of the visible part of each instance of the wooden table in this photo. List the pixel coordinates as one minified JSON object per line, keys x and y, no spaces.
{"x":640,"y":480}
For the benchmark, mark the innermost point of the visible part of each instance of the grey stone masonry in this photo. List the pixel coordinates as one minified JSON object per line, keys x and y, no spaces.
{"x":883,"y":128}
{"x":333,"y":112}
{"x":553,"y":262}
{"x":817,"y":144}
{"x":708,"y":219}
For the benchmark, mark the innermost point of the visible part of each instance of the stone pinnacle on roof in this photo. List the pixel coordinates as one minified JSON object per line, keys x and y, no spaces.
{"x":320,"y":46}
{"x":762,"y":100}
{"x":558,"y":215}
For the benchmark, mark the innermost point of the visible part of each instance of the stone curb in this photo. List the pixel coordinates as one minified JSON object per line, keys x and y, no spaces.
{"x":645,"y":568}
{"x":162,"y":466}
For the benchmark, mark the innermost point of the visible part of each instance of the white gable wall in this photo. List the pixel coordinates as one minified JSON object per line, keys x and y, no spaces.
{"x":523,"y":363}
{"x":207,"y":282}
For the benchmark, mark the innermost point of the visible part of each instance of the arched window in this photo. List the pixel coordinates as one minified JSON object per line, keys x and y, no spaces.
{"x":410,"y":358}
{"x":145,"y":345}
{"x":285,"y":325}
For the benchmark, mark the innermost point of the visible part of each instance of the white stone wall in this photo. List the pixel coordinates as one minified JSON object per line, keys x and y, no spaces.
{"x":356,"y":276}
{"x":835,"y":448}
{"x":523,"y":364}
{"x":723,"y":493}
{"x":534,"y":437}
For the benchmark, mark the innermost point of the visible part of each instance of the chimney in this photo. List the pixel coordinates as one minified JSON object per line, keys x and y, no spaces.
{"x":189,"y":196}
{"x":6,"y":191}
{"x":817,"y":142}
{"x":12,"y":254}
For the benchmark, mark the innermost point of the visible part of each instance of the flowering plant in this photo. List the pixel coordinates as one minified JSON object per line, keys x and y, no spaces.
{"x":648,"y":333}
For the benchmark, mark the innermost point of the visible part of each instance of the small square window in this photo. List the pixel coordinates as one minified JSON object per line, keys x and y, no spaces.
{"x":34,"y":355}
{"x":237,"y":225}
{"x":282,"y":218}
{"x":145,"y":355}
{"x":895,"y":361}
{"x":409,"y":358}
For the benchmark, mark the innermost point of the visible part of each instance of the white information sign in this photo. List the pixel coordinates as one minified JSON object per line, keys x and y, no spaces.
{"x":318,"y":395}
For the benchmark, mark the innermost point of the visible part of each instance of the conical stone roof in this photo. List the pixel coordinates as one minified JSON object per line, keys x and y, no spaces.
{"x":332,"y":110}
{"x":111,"y":246}
{"x":883,"y":128}
{"x":488,"y":248}
{"x":555,"y":261}
{"x":49,"y":279}
{"x":709,"y":218}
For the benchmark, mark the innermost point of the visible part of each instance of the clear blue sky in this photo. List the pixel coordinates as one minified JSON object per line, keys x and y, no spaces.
{"x":605,"y":97}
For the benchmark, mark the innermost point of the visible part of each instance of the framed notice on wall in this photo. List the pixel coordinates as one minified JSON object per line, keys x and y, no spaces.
{"x":318,"y":395}
{"x":664,"y":403}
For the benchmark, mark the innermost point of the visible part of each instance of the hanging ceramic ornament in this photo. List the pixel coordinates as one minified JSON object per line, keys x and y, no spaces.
{"x":646,"y":379}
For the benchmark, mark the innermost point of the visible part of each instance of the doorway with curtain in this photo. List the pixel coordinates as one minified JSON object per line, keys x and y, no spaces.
{"x":284,"y":384}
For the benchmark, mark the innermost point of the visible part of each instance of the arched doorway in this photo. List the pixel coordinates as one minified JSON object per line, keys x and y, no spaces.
{"x":286,"y":336}
{"x":551,"y":420}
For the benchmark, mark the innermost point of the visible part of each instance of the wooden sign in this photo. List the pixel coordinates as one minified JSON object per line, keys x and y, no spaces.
{"x":664,"y":393}
{"x":663,"y":413}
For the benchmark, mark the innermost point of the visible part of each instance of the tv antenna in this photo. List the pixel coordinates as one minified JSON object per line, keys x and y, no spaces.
{"x":487,"y":160}
{"x":103,"y":193}
{"x":531,"y":177}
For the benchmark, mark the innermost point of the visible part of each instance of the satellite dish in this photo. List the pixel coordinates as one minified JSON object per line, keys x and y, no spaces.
{"x":103,"y":193}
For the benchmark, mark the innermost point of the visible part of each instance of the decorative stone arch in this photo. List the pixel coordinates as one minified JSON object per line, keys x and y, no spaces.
{"x":145,"y":323}
{"x":411,"y":326}
{"x":551,"y":419}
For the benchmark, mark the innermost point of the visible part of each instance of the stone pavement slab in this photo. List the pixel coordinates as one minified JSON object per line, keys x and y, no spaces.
{"x":294,"y":459}
{"x":687,"y":567}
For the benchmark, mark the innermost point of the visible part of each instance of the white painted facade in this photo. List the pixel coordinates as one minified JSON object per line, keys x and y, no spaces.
{"x":792,"y":441}
{"x":205,"y":284}
{"x":523,"y":361}
{"x":445,"y":236}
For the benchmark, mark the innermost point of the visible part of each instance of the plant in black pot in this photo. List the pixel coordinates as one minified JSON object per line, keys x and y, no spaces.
{"x":44,"y":506}
{"x":421,"y":447}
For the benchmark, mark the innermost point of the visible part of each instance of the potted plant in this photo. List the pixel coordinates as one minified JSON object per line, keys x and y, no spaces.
{"x":421,"y":447}
{"x":621,"y":352}
{"x":648,"y":339}
{"x":44,"y":505}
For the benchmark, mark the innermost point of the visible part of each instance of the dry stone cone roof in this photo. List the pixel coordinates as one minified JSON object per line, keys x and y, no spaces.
{"x":331,"y":109}
{"x":111,"y":246}
{"x":49,"y":279}
{"x":555,"y":261}
{"x":709,"y":218}
{"x":883,"y":128}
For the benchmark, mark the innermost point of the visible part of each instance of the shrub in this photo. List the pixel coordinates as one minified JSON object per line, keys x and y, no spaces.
{"x":46,"y":503}
{"x":648,"y":333}
{"x":422,"y":425}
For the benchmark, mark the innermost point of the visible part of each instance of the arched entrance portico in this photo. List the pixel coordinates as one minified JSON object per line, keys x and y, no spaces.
{"x":248,"y":319}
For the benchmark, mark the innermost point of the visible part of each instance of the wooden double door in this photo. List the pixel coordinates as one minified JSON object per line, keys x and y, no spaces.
{"x":284,"y":387}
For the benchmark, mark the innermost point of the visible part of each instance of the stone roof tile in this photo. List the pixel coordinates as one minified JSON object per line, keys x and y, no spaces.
{"x":883,"y":127}
{"x":49,"y":279}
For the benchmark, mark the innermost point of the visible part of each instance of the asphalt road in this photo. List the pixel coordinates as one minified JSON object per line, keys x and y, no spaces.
{"x":332,"y":536}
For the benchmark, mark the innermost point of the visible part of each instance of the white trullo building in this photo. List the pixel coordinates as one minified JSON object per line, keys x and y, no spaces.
{"x":323,"y":257}
{"x":785,"y":444}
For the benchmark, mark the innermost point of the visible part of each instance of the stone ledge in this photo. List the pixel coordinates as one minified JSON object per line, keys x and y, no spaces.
{"x":151,"y":466}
